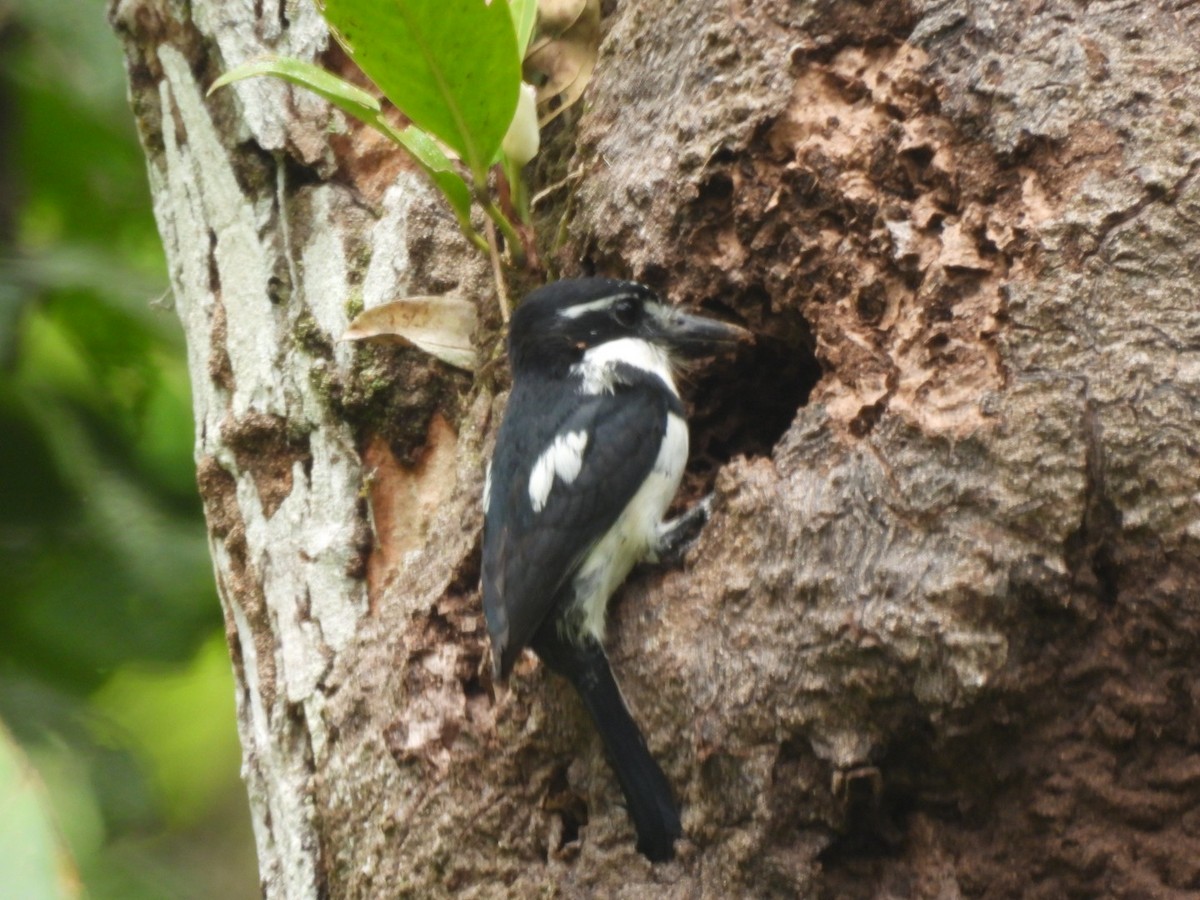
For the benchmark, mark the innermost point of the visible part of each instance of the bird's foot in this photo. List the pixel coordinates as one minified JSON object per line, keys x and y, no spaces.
{"x":676,"y":536}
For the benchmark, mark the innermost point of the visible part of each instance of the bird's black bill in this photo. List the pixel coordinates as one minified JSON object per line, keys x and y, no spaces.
{"x":690,"y":335}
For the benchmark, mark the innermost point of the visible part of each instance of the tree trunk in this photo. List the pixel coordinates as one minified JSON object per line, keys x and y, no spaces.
{"x":939,"y":637}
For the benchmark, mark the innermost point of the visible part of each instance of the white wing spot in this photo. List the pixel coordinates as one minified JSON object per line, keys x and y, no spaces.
{"x":487,"y":487}
{"x":563,"y":458}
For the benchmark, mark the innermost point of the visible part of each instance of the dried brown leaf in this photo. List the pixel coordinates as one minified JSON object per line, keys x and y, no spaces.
{"x":441,"y":326}
{"x":563,"y":57}
{"x":556,"y":16}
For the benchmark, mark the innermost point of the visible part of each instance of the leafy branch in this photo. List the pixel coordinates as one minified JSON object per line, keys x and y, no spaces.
{"x":453,"y":68}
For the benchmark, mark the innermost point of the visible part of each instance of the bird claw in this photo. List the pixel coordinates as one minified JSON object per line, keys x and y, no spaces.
{"x":678,"y":535}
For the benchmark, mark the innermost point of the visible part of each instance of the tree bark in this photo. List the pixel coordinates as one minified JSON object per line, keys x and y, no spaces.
{"x":939,"y":637}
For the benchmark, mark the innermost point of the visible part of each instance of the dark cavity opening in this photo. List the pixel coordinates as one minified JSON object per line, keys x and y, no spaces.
{"x":951,"y":782}
{"x":571,"y":809}
{"x":745,"y":401}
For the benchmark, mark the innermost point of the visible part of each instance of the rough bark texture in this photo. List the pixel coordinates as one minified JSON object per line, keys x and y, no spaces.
{"x":939,"y":638}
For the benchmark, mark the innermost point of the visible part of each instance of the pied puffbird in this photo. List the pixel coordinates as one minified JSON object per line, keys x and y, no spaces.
{"x":587,"y":460}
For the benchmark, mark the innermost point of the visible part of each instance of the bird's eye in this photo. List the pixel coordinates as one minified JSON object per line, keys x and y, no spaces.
{"x":625,"y":311}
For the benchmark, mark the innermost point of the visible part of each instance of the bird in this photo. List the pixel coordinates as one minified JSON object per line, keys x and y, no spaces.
{"x":588,"y":458}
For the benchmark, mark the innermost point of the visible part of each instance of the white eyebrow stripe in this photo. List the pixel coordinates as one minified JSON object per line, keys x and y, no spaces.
{"x":564,"y":459}
{"x":574,"y":312}
{"x":598,"y":368}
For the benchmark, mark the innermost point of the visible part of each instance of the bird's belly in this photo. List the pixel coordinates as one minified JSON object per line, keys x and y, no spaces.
{"x":631,"y":538}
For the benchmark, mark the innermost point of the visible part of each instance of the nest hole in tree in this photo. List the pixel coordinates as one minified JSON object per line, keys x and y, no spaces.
{"x":745,"y":401}
{"x":945,"y":781}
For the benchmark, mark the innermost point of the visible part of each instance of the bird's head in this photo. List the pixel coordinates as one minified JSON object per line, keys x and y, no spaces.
{"x":556,"y":325}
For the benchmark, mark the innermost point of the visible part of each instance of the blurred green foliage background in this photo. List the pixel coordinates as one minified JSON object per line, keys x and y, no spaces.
{"x":114,"y":680}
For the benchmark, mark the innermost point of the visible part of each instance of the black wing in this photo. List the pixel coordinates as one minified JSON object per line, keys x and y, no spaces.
{"x":529,"y":555}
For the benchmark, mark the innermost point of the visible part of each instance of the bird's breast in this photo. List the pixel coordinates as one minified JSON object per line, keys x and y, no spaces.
{"x":632,"y":537}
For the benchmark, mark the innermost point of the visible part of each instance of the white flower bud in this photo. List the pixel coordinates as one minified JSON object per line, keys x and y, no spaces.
{"x":521,"y":143}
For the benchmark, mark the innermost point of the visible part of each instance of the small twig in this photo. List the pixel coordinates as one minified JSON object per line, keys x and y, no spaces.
{"x":550,"y":189}
{"x":473,"y":236}
{"x":560,"y":233}
{"x":497,"y":269}
{"x":516,"y":249}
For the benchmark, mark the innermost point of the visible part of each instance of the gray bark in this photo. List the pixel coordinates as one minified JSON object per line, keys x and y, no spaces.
{"x":939,"y":637}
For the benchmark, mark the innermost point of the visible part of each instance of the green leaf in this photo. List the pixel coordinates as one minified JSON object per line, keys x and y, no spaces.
{"x":524,"y":16}
{"x":33,"y":863}
{"x":189,"y":756}
{"x":342,"y":94}
{"x":439,"y":167}
{"x":451,"y":66}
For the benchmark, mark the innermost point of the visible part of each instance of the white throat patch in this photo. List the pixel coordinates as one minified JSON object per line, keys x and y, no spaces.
{"x":598,"y":368}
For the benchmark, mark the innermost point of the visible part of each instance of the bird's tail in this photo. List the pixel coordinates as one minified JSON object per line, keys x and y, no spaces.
{"x":647,"y":791}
